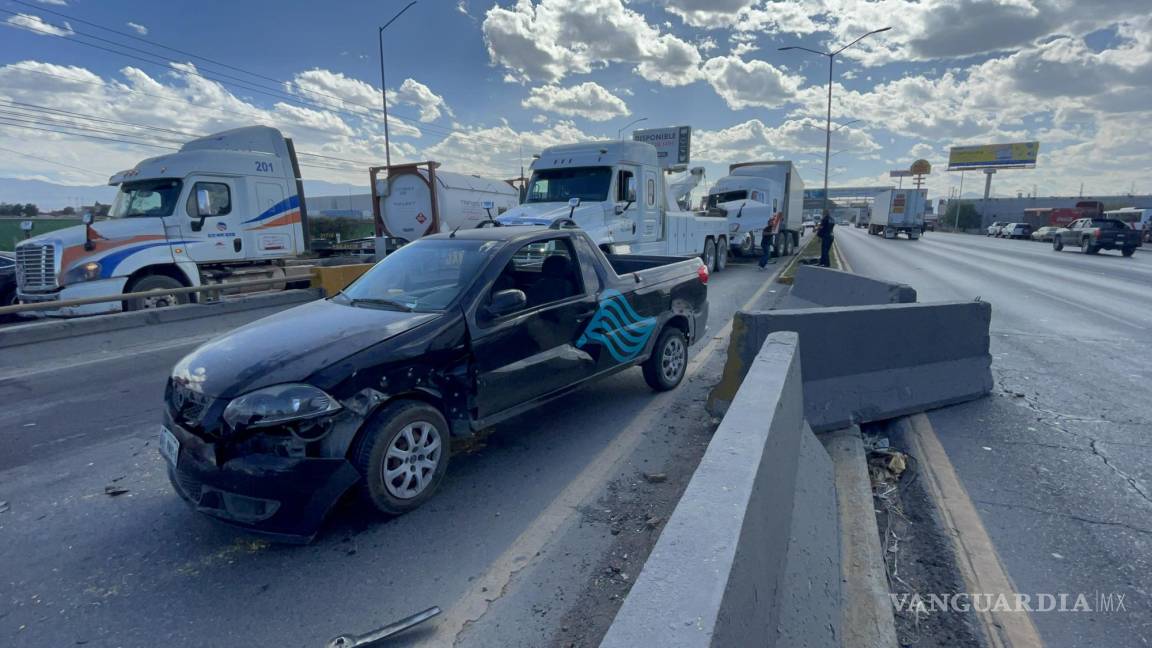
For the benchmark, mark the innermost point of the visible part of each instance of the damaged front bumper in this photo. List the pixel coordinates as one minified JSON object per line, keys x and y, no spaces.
{"x":281,"y":498}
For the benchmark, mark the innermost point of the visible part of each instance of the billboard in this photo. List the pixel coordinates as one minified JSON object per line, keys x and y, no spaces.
{"x":673,"y":145}
{"x":900,"y":173}
{"x":994,"y":156}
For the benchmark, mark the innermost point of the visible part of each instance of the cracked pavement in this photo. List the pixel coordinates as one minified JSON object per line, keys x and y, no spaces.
{"x":1058,"y":460}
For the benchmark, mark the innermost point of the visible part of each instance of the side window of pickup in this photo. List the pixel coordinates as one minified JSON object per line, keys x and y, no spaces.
{"x":547,"y":271}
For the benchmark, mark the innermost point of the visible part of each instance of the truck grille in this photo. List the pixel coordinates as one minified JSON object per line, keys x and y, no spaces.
{"x":36,"y":267}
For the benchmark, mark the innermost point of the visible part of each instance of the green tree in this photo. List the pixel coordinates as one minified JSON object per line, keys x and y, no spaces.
{"x":969,"y":218}
{"x":30,"y":210}
{"x":68,"y":211}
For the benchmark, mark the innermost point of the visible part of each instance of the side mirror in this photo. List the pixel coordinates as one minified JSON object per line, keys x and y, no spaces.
{"x":203,"y":208}
{"x":573,"y":203}
{"x":506,"y":301}
{"x":631,"y":197}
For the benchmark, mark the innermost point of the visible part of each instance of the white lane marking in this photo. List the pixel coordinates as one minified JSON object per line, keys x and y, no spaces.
{"x":493,"y":584}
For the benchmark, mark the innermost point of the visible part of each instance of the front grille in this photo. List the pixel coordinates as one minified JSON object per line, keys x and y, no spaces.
{"x":36,"y":267}
{"x":186,"y":406}
{"x":191,"y":486}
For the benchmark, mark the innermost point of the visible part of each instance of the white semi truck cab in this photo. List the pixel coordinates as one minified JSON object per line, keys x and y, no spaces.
{"x":750,"y":195}
{"x":226,"y":207}
{"x":625,"y":202}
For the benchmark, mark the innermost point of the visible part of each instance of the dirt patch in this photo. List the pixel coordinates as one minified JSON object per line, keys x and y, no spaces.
{"x":918,"y":554}
{"x":634,"y":511}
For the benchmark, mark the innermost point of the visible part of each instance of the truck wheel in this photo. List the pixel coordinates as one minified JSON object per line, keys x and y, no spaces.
{"x":1057,"y":244}
{"x":1086,"y":247}
{"x":709,"y":255}
{"x":155,"y":282}
{"x":665,"y":368}
{"x":402,"y":456}
{"x":1128,"y":251}
{"x":722,"y":254}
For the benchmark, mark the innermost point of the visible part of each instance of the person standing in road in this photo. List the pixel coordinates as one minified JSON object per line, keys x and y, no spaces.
{"x":768,"y":239}
{"x":824,"y":231}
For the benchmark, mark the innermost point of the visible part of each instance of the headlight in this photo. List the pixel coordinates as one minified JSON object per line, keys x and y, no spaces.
{"x":278,"y":404}
{"x":83,"y":272}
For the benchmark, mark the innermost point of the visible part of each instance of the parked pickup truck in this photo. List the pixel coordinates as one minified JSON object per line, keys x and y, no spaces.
{"x":267,"y":426}
{"x":1095,"y":234}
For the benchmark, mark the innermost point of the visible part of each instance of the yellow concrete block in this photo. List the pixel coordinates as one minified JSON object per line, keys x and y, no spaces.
{"x":333,"y":279}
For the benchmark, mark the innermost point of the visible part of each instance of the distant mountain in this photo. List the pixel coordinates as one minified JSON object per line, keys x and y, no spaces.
{"x":49,"y":195}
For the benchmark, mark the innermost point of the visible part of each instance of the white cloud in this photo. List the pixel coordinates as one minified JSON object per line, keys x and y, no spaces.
{"x":37,"y":25}
{"x":58,"y":3}
{"x":589,"y":100}
{"x":749,"y":84}
{"x":138,"y":28}
{"x":550,"y":39}
{"x":430,"y":104}
{"x":752,"y":140}
{"x":496,"y":151}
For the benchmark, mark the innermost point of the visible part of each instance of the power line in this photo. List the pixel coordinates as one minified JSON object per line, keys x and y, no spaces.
{"x":47,"y":161}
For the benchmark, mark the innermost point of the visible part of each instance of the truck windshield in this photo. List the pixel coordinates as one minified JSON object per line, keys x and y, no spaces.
{"x":589,"y":184}
{"x":726,"y":196}
{"x":423,"y":276}
{"x":146,"y":198}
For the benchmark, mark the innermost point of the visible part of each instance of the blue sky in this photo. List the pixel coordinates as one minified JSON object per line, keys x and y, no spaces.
{"x":473,"y":83}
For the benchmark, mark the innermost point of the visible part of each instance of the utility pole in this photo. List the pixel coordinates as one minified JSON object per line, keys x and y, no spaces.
{"x":384,"y":86}
{"x":828,"y":120}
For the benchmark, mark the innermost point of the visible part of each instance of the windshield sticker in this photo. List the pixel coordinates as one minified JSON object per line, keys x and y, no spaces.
{"x":618,"y":327}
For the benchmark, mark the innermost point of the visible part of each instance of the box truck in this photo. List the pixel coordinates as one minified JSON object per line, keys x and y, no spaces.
{"x":224,"y":208}
{"x":622,"y":199}
{"x":898,"y":210}
{"x":748,"y":197}
{"x":414,"y":200}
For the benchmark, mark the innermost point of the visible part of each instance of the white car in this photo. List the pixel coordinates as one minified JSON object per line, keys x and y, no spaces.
{"x":1044,"y":233}
{"x":995,"y":228}
{"x":1016,"y":230}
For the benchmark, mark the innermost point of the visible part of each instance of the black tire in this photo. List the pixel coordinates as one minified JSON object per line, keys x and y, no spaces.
{"x":386,"y":431}
{"x":709,"y":256}
{"x":154,"y":282}
{"x":1086,"y":247}
{"x":665,"y":368}
{"x":722,"y":254}
{"x":1057,"y":243}
{"x":1128,"y":251}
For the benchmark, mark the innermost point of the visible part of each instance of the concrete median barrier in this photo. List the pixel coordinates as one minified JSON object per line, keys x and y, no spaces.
{"x":870,"y":363}
{"x":817,"y":287}
{"x":750,"y":556}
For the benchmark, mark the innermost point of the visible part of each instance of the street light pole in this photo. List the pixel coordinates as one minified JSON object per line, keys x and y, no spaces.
{"x":383,"y":85}
{"x":828,"y":122}
{"x":620,"y":132}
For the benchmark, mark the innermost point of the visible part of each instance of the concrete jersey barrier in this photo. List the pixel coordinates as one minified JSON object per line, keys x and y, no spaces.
{"x":816,"y":287}
{"x":870,"y":363}
{"x":750,"y":556}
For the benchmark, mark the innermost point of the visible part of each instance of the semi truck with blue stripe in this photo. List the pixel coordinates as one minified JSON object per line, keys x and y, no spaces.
{"x":224,"y":208}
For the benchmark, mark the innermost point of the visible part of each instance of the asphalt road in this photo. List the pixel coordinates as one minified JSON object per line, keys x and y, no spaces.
{"x":1058,"y":461}
{"x":514,"y":542}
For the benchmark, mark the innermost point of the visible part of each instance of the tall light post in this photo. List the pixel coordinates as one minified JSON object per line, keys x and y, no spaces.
{"x":383,"y":85}
{"x":828,"y":123}
{"x":620,"y":132}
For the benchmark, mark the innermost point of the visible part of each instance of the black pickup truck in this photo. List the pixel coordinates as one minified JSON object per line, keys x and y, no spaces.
{"x":269,"y":425}
{"x":1095,"y":234}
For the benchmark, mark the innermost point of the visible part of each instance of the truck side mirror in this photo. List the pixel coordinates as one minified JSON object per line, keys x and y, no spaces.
{"x":203,"y":208}
{"x":573,"y":203}
{"x":506,"y":301}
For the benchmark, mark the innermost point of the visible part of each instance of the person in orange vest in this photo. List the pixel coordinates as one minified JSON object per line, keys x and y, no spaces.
{"x":768,"y":239}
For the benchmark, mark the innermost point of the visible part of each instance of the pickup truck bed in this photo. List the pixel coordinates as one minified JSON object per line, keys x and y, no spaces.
{"x":268,"y":426}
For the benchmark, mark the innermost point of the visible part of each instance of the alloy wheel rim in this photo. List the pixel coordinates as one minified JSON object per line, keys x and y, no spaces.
{"x":672,"y":360}
{"x":411,"y":460}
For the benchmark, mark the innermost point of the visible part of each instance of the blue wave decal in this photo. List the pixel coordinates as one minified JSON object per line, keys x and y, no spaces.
{"x":618,"y":327}
{"x":109,"y":262}
{"x":291,"y":202}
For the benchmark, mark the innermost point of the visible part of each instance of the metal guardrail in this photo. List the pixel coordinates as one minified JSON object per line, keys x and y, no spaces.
{"x":160,"y":292}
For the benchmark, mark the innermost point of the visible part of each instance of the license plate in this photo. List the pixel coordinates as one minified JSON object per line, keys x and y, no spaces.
{"x":169,"y":445}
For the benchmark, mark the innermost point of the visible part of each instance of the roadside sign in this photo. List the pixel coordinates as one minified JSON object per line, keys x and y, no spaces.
{"x":673,"y":145}
{"x":1020,"y":155}
{"x":900,"y":173}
